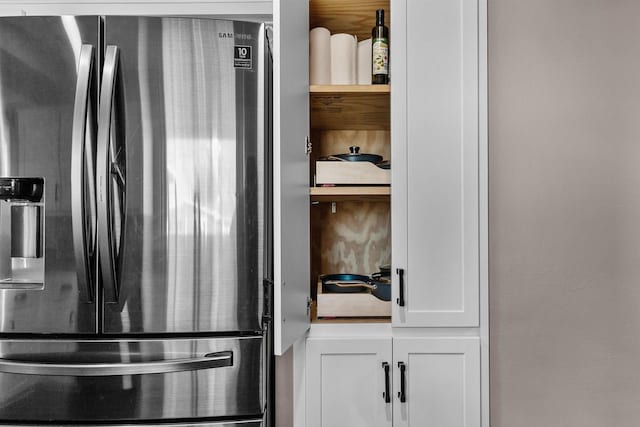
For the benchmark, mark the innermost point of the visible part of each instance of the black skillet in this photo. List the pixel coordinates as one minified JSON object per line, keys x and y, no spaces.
{"x":356,"y":283}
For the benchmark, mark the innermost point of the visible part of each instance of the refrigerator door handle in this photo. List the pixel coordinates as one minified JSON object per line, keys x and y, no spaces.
{"x":110,"y":125}
{"x":208,"y":361}
{"x":80,"y":153}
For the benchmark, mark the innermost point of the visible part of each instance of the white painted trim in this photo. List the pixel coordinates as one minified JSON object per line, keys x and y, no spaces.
{"x":398,"y":61}
{"x":277,"y":197}
{"x":299,"y":382}
{"x":337,"y":330}
{"x":361,"y":330}
{"x":483,"y":169}
{"x":436,"y":332}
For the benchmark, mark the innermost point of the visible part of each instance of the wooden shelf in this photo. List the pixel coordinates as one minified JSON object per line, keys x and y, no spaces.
{"x":350,"y":107}
{"x":355,"y":17}
{"x":327,"y":320}
{"x":351,"y":320}
{"x":339,"y":194}
{"x":349,"y":89}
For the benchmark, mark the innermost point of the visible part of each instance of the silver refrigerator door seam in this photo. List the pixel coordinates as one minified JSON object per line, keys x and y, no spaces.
{"x":105,"y":170}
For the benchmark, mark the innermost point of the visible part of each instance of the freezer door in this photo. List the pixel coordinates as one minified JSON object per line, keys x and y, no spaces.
{"x":180,"y":174}
{"x":118,"y":381}
{"x":47,"y":122}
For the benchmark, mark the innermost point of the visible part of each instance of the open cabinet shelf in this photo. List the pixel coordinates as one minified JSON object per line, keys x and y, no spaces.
{"x":352,"y":235}
{"x":355,"y":107}
{"x":339,"y":194}
{"x":334,"y":320}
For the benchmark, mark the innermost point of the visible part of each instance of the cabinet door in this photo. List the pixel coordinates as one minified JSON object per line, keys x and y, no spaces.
{"x":346,"y":382}
{"x":290,"y":171}
{"x":441,"y":382}
{"x":434,"y":125}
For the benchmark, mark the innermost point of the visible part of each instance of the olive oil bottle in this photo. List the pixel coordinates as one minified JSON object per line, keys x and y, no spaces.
{"x":380,"y":51}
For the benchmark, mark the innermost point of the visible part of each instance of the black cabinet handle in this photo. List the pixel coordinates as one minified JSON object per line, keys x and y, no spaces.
{"x":400,"y":300}
{"x":386,"y":394}
{"x":401,"y":394}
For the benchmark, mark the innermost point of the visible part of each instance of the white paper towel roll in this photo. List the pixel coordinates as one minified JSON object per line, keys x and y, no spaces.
{"x":320,"y":56}
{"x":343,"y":59}
{"x":364,"y":62}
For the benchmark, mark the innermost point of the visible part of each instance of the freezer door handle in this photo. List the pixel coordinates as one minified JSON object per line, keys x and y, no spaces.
{"x":111,"y":174}
{"x":81,"y":160}
{"x":208,"y":361}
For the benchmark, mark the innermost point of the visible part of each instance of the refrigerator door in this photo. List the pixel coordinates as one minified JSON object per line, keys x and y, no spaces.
{"x":252,"y":423}
{"x":180,"y":171}
{"x":47,"y":118}
{"x":122,"y":381}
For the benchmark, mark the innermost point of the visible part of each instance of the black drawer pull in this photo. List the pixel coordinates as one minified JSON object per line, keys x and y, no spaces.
{"x":386,"y":395}
{"x":400,"y":300}
{"x":402,"y":394}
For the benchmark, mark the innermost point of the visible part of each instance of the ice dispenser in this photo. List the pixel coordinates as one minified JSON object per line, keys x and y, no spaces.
{"x":21,"y":233}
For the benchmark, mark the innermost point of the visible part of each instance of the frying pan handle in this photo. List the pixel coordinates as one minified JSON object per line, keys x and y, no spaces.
{"x":386,"y":395}
{"x":354,"y":284}
{"x":336,"y":158}
{"x":400,"y":300}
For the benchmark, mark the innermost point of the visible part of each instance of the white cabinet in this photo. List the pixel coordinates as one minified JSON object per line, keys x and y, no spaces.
{"x":439,"y":238}
{"x":347,"y":381}
{"x":441,"y":382}
{"x":435,"y":142}
{"x":433,"y":382}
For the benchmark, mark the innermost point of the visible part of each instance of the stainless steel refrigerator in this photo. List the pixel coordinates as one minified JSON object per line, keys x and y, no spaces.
{"x":135,"y":227}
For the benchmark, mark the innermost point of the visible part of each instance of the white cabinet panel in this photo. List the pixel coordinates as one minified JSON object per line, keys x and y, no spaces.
{"x":346,"y":382}
{"x":291,"y":171}
{"x":435,"y":134}
{"x":442,"y":382}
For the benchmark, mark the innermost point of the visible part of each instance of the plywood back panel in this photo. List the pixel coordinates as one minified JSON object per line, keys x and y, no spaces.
{"x":364,"y":110}
{"x":354,"y":239}
{"x":355,"y":17}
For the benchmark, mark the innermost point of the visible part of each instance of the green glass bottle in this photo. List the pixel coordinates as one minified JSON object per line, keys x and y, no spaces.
{"x":380,"y":51}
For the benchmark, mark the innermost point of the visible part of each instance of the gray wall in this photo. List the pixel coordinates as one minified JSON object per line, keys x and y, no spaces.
{"x":564,"y":189}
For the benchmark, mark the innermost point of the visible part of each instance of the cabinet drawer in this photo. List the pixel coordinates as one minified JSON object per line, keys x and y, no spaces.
{"x":127,"y":381}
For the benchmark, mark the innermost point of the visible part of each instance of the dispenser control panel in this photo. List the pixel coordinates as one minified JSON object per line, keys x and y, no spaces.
{"x":21,"y":233}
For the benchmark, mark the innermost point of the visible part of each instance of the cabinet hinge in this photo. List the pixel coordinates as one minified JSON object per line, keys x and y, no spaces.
{"x":308,"y":305}
{"x":267,"y":310}
{"x":308,"y":146}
